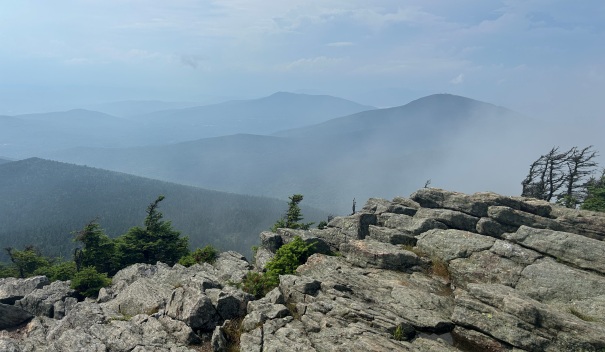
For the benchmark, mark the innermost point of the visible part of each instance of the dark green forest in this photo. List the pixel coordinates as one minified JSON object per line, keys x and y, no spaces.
{"x":42,"y":203}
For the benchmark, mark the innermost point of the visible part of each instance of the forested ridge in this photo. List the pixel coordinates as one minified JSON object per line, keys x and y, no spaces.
{"x":43,"y":202}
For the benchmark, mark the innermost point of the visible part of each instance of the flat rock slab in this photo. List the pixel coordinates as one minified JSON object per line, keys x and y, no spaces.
{"x":409,"y":224}
{"x":580,"y":251}
{"x":510,"y":316}
{"x":392,"y":236}
{"x":369,"y":253}
{"x":549,"y":281}
{"x":451,"y":218}
{"x":382,"y":297}
{"x":452,"y":244}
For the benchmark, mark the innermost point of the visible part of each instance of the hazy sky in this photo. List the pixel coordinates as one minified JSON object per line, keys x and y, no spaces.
{"x":541,"y":57}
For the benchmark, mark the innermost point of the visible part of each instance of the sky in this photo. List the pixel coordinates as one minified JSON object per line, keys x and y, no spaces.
{"x":544,"y":58}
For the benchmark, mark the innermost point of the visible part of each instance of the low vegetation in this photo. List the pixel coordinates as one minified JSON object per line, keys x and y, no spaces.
{"x":99,"y":257}
{"x":287,"y":258}
{"x":293,"y":216}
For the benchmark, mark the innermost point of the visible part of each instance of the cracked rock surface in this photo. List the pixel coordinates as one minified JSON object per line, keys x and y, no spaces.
{"x":438,"y":271}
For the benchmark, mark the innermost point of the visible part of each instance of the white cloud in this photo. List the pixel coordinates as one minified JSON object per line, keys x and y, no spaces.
{"x":340,"y":44}
{"x":458,"y":79}
{"x":319,"y":63}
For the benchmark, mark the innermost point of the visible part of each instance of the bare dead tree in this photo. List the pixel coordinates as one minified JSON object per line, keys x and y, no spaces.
{"x":560,"y":174}
{"x":580,"y":164}
{"x":546,"y":175}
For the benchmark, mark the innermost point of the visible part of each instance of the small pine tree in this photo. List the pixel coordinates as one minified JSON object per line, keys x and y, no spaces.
{"x":157,"y":241}
{"x":595,"y":194}
{"x":98,"y":251}
{"x":293,"y":216}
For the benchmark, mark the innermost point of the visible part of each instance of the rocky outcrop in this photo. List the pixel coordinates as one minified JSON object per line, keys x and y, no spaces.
{"x":440,"y":271}
{"x":446,"y":271}
{"x":147,"y":308}
{"x":12,"y":289}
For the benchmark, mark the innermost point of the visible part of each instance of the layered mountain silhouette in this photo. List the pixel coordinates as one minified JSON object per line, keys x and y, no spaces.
{"x":258,"y":116}
{"x":381,"y":152}
{"x":31,"y":135}
{"x":42,"y":202}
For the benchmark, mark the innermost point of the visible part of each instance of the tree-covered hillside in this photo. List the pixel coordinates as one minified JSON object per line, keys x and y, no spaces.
{"x":42,"y":202}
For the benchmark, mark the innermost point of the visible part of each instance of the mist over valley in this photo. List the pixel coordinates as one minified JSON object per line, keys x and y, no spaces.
{"x":328,"y":149}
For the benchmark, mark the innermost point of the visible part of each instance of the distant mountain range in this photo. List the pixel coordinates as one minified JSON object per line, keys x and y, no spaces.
{"x":259,"y":116}
{"x":381,"y":152}
{"x":42,"y":202}
{"x":31,"y":135}
{"x":129,"y":108}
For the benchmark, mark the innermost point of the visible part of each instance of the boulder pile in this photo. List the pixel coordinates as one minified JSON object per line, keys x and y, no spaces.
{"x":438,"y":271}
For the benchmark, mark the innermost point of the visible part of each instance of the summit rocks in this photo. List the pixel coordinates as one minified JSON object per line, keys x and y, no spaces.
{"x":440,"y":271}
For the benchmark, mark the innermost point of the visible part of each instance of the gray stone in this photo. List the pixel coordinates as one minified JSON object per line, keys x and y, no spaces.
{"x":218,"y":341}
{"x":452,"y":244}
{"x":511,"y":217}
{"x":354,"y":226}
{"x":11,"y":316}
{"x":13,"y":289}
{"x":192,"y":307}
{"x":583,"y":222}
{"x":406,"y":202}
{"x":477,"y":204}
{"x":298,"y":289}
{"x":520,"y":321}
{"x":408,"y":224}
{"x":392,"y":236}
{"x":451,"y":218}
{"x":252,"y":341}
{"x":376,"y":206}
{"x":50,"y":300}
{"x":490,"y":227}
{"x":260,"y":312}
{"x":231,"y":267}
{"x":270,"y":241}
{"x":143,"y":296}
{"x":230,"y":303}
{"x":472,"y":340}
{"x":515,"y":253}
{"x":400,"y":209}
{"x":369,"y":253}
{"x":439,"y":198}
{"x":9,"y":345}
{"x":580,"y":251}
{"x":484,"y":267}
{"x":262,"y":257}
{"x":548,"y":281}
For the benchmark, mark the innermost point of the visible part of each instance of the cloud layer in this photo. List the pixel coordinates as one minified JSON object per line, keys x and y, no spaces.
{"x":536,"y":56}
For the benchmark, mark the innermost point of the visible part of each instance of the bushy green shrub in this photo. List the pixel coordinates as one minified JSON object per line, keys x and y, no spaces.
{"x":257,"y":284}
{"x":27,"y":261}
{"x":88,"y":281}
{"x":8,"y":271}
{"x":208,"y":254}
{"x":287,"y":258}
{"x":62,"y":271}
